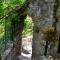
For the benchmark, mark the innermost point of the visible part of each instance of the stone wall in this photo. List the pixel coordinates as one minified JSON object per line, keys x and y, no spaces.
{"x":41,"y":12}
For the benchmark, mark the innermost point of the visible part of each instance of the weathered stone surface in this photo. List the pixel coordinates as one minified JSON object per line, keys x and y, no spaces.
{"x":41,"y":12}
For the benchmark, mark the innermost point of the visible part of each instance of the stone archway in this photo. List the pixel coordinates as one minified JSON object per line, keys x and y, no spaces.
{"x":42,"y":15}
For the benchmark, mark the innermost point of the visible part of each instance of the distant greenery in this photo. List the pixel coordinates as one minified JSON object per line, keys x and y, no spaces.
{"x":28,"y":27}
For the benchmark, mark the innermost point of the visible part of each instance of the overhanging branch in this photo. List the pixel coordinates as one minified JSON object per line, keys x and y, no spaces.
{"x":16,"y":9}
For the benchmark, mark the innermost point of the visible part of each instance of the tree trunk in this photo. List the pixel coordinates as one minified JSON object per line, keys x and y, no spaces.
{"x":18,"y":27}
{"x":18,"y":36}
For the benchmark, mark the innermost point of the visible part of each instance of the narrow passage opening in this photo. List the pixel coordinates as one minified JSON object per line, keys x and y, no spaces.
{"x":27,"y":36}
